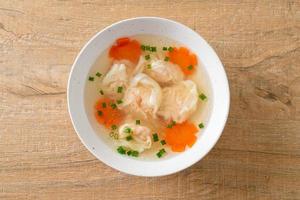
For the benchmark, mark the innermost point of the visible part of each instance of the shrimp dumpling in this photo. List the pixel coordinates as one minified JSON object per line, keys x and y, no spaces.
{"x":179,"y":101}
{"x":135,"y":137}
{"x":165,"y":73}
{"x":116,"y":77}
{"x":143,"y":96}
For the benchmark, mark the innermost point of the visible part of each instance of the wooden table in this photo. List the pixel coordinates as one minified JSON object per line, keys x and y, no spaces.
{"x":258,"y":155}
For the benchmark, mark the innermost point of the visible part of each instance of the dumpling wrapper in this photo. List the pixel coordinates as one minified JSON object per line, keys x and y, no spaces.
{"x":116,"y":77}
{"x":131,"y":68}
{"x":179,"y":101}
{"x":141,"y":137}
{"x":143,"y":96}
{"x":165,"y":73}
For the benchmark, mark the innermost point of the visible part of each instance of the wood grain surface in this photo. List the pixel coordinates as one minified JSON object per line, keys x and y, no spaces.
{"x":258,"y":155}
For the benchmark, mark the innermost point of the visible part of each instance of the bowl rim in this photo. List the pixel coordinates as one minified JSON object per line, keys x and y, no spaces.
{"x":165,"y":172}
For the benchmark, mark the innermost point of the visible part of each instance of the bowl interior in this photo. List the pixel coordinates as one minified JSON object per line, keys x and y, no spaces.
{"x":154,"y":26}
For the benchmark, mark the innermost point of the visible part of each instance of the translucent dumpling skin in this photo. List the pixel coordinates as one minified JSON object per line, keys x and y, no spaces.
{"x":140,"y":136}
{"x":143,"y":96}
{"x":179,"y":101}
{"x":165,"y":73}
{"x":116,"y":77}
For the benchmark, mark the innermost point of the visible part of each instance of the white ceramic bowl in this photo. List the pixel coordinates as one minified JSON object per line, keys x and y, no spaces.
{"x":156,"y":26}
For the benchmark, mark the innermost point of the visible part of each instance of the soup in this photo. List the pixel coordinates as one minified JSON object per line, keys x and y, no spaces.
{"x":148,"y":97}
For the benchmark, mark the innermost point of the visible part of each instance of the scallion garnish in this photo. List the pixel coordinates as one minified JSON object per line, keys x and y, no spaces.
{"x":149,"y":66}
{"x":114,"y":127}
{"x":147,"y":48}
{"x":113,"y":106}
{"x":161,"y":153}
{"x":121,"y":150}
{"x":166,"y":59}
{"x":91,"y":78}
{"x":147,"y":57}
{"x":163,"y":142}
{"x":120,"y":89}
{"x":129,"y":137}
{"x":190,"y":67}
{"x":201,"y":125}
{"x":165,"y":48}
{"x":171,"y":124}
{"x":101,"y":92}
{"x":153,"y":49}
{"x":137,"y":122}
{"x":103,"y":105}
{"x":119,"y":101}
{"x":155,"y":137}
{"x":135,"y":153}
{"x":98,"y":74}
{"x":127,"y":130}
{"x":129,"y":152}
{"x":100,"y":113}
{"x":202,"y":96}
{"x":143,"y":47}
{"x":170,"y":49}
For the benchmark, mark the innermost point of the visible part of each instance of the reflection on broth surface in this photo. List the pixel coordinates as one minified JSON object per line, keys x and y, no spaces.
{"x":148,"y":97}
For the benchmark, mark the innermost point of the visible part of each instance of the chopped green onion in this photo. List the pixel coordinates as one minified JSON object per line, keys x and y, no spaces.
{"x":98,"y":74}
{"x":101,"y":92}
{"x":129,"y":152}
{"x":201,"y":125}
{"x":103,"y":105}
{"x":120,"y":89}
{"x":166,"y":59}
{"x":135,"y":153}
{"x":171,"y":124}
{"x":114,"y":127}
{"x":161,"y":153}
{"x":155,"y":137}
{"x":91,"y":78}
{"x":153,"y":49}
{"x":190,"y":67}
{"x":129,"y":137}
{"x":127,"y":130}
{"x":113,"y":105}
{"x":100,"y":113}
{"x":147,"y":48}
{"x":170,"y":49}
{"x":149,"y":66}
{"x":137,"y":122}
{"x":202,"y":96}
{"x":121,"y":150}
{"x":143,"y":47}
{"x":147,"y":57}
{"x":163,"y":142}
{"x":119,"y":101}
{"x":165,"y":48}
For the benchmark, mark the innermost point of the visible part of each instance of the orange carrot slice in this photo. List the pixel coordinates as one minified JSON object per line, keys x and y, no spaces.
{"x":181,"y":135}
{"x":184,"y":58}
{"x":127,"y":49}
{"x":122,"y":41}
{"x":107,"y":114}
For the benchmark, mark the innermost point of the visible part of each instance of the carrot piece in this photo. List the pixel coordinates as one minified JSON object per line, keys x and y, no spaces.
{"x":178,"y":148}
{"x":185,"y":59}
{"x":127,"y":49}
{"x":122,"y":41}
{"x":191,"y":140}
{"x":108,"y":116}
{"x":180,"y":136}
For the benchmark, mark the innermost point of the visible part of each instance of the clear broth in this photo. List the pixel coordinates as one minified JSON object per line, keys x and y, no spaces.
{"x":102,"y":65}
